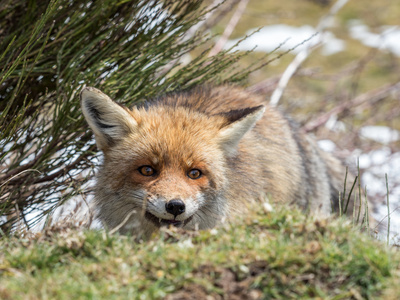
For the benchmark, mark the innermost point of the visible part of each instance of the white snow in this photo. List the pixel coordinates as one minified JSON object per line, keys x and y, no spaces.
{"x":380,"y":134}
{"x":327,"y":145}
{"x":270,"y":37}
{"x":388,"y":38}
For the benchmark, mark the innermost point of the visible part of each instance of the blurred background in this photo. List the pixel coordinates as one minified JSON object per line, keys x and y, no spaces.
{"x":333,"y":66}
{"x":343,"y":61}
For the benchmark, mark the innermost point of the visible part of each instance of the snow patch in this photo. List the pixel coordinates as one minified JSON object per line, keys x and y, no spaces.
{"x":327,"y":145}
{"x":380,"y":134}
{"x":270,"y":37}
{"x":388,"y":38}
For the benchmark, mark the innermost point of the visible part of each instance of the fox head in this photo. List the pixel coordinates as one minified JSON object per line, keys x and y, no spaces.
{"x":168,"y":164}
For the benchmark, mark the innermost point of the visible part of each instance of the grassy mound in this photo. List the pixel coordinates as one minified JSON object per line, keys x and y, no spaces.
{"x":283,"y":254}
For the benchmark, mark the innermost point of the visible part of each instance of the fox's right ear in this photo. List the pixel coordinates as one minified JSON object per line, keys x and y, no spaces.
{"x":109,"y":121}
{"x":239,"y":122}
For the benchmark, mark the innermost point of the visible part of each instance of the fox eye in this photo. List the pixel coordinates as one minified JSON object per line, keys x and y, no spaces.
{"x":194,"y":174}
{"x":146,"y":171}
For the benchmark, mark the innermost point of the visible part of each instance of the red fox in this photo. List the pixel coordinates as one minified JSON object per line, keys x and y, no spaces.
{"x":192,"y":158}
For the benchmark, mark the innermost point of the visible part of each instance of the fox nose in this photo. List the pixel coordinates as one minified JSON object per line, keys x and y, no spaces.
{"x":175,"y":207}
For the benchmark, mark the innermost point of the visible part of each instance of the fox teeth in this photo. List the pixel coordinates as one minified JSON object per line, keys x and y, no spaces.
{"x":159,"y":219}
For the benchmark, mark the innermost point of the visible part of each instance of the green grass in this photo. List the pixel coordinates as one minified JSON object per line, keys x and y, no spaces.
{"x":283,"y":254}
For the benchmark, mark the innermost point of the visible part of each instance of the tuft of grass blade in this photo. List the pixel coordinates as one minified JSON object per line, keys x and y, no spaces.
{"x":344,"y":187}
{"x":366,"y":211}
{"x":387,"y":197}
{"x":351,"y":191}
{"x":359,"y":190}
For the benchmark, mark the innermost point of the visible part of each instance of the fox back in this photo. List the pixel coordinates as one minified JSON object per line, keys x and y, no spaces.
{"x":193,"y":158}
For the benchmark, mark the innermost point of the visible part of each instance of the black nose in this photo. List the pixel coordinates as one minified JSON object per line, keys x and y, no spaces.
{"x":175,"y":207}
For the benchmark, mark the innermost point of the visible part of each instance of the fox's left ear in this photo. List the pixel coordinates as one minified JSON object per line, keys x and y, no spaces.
{"x":238,"y":123}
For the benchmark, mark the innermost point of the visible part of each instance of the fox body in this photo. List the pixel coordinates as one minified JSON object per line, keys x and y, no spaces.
{"x":195,"y":157}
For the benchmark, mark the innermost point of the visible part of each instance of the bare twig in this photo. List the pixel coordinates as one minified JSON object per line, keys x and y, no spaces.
{"x":62,"y":171}
{"x":370,"y":97}
{"x":229,"y":28}
{"x":383,"y":219}
{"x":29,"y":170}
{"x":264,"y":87}
{"x":21,"y":169}
{"x":269,"y":85}
{"x":195,"y":29}
{"x":118,"y":227}
{"x":302,"y":55}
{"x":219,"y":14}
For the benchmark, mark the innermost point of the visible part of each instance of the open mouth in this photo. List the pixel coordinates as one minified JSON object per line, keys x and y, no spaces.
{"x":159,"y":222}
